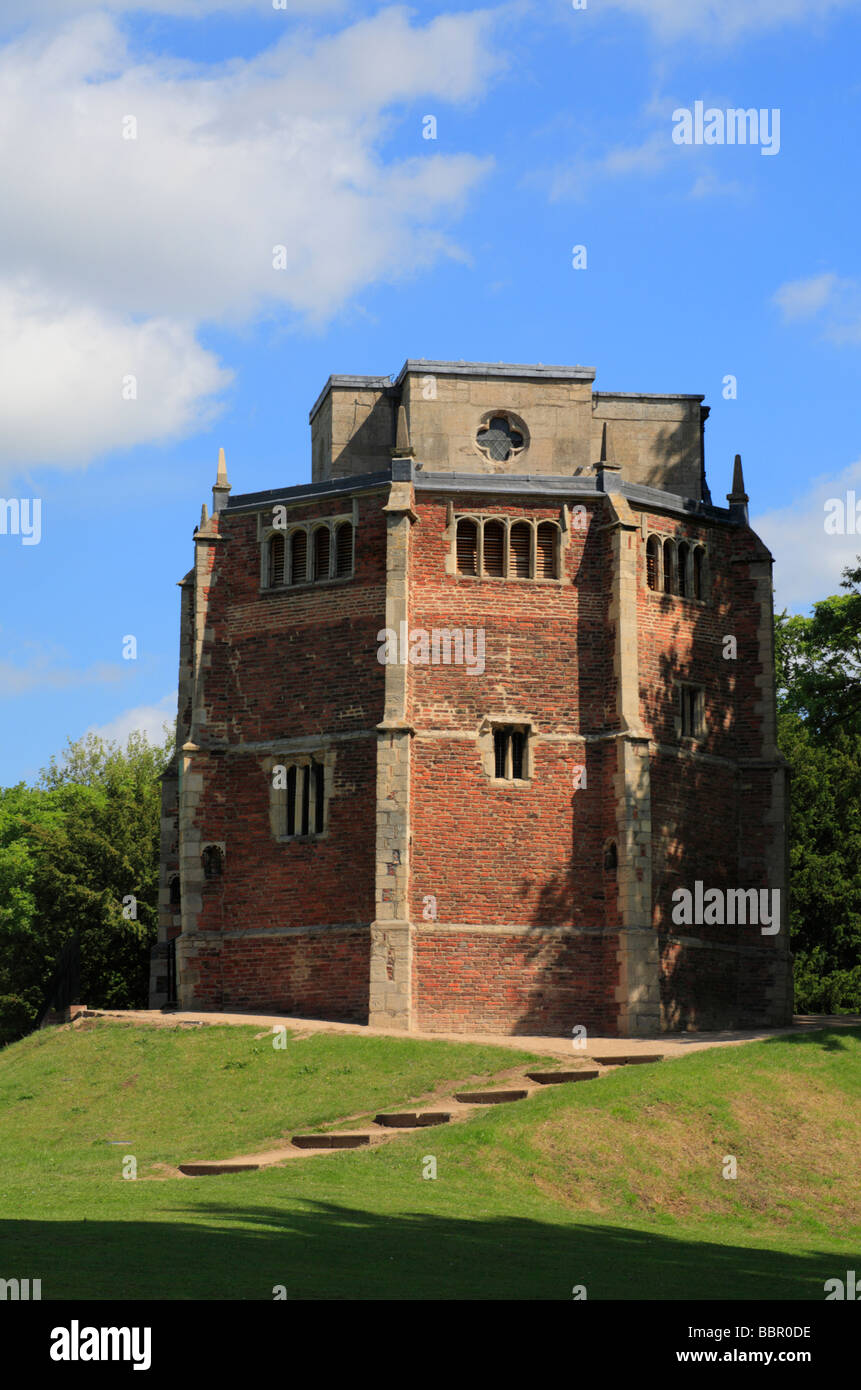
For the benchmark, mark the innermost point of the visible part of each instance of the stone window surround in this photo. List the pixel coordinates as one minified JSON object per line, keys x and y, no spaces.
{"x":515,"y":423}
{"x":479,"y":518}
{"x":332,"y":523}
{"x":676,"y":540}
{"x":297,"y":757}
{"x":488,"y":726}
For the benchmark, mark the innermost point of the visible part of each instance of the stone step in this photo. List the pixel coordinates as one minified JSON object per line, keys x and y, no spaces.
{"x":412,"y":1120}
{"x":489,"y":1097}
{"x":630,"y":1059}
{"x":206,"y":1170}
{"x":330,"y":1141}
{"x":559,"y":1078}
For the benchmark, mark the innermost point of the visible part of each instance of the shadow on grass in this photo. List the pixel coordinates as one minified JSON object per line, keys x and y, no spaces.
{"x":829,"y":1040}
{"x":330,"y":1251}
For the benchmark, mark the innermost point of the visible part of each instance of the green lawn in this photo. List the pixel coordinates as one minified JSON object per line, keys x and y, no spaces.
{"x":613,"y":1184}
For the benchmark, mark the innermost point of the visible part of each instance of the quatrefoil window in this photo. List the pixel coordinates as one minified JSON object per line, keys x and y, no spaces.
{"x":499,"y":439}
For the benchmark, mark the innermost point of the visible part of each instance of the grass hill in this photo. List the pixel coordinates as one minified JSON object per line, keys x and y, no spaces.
{"x":615,"y":1184}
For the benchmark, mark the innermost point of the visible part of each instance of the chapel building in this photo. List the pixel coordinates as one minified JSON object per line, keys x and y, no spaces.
{"x":476,"y":730}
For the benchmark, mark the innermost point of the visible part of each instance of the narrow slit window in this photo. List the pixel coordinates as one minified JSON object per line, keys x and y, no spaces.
{"x":306,"y":798}
{"x":669,"y":558}
{"x":520,"y":551}
{"x":684,"y":551}
{"x":691,"y":704}
{"x":276,"y":561}
{"x":546,"y":546}
{"x":467,"y":547}
{"x":518,"y":743}
{"x":319,"y":806}
{"x":344,"y":550}
{"x":321,"y":552}
{"x":500,"y":751}
{"x":698,"y":572}
{"x":290,"y":828}
{"x":653,"y":561}
{"x":298,"y":557}
{"x":494,"y":548}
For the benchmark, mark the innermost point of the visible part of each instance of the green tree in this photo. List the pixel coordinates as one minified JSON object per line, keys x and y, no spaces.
{"x":818,"y":661}
{"x":79,"y":853}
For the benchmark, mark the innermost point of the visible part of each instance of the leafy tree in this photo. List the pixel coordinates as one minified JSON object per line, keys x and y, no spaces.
{"x":79,"y":853}
{"x":818,"y":662}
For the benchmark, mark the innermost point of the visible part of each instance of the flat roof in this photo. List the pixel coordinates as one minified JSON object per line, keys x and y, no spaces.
{"x":513,"y":369}
{"x":536,"y":371}
{"x":512,"y":484}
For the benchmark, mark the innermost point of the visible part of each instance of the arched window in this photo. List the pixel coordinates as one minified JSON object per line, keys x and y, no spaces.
{"x":298,"y":557}
{"x":175,"y":892}
{"x":611,"y":857}
{"x":276,"y":561}
{"x":494,"y":548}
{"x":520,"y":551}
{"x":546,"y":550}
{"x":669,"y":567}
{"x":344,"y":549}
{"x":321,"y":552}
{"x":699,"y":572}
{"x":653,"y":562}
{"x":467,"y":547}
{"x":683,"y":553}
{"x":213,"y":861}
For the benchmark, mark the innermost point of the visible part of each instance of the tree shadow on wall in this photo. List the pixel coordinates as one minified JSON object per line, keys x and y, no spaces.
{"x":697,"y":830}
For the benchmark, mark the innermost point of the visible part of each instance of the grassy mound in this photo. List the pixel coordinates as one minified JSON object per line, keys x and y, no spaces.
{"x":617,"y":1184}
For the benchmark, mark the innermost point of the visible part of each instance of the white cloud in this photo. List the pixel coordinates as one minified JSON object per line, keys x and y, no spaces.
{"x":65,"y":367}
{"x":655,"y":154}
{"x":16,"y":12}
{"x":44,"y":675}
{"x":179,"y":224}
{"x":727,"y":19}
{"x":710,"y":186}
{"x":802,"y":299}
{"x":809,"y":562}
{"x":146,"y":719}
{"x":836,"y":301}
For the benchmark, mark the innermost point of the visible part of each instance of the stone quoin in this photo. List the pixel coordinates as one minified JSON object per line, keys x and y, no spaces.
{"x":607,"y":754}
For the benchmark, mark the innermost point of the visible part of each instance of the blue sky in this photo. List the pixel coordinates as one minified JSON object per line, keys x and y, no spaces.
{"x":253,"y":127}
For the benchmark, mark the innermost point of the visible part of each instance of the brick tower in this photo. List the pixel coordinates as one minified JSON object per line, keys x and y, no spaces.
{"x":476,"y":730}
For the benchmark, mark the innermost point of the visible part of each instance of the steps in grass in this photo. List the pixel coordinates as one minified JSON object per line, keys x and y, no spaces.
{"x":330,"y":1141}
{"x":630,"y":1059}
{"x":560,"y":1078}
{"x":208,"y":1170}
{"x":489,"y":1097}
{"x":412,"y":1119}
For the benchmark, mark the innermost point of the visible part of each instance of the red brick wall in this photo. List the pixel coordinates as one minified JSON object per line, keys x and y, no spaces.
{"x":296,"y":661}
{"x":489,"y":853}
{"x":304,"y":662}
{"x":469,"y":981}
{"x":322,"y":975}
{"x":286,"y":665}
{"x":267,"y":883}
{"x":493,"y":855}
